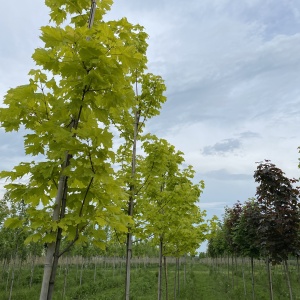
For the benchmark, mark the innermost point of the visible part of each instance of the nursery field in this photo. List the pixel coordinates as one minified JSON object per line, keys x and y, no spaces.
{"x":103,"y":279}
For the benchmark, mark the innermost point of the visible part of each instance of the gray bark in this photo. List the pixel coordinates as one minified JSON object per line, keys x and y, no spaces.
{"x":130,"y":206}
{"x":159,"y":286}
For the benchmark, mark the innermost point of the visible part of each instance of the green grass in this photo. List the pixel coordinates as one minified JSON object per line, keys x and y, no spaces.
{"x":202,"y":281}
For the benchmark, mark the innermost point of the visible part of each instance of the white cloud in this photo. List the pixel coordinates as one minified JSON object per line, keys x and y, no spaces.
{"x":231,"y":67}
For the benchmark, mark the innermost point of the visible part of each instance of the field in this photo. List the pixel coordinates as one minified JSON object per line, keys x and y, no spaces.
{"x":103,"y":279}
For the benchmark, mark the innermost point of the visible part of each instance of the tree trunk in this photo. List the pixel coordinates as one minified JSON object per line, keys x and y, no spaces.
{"x":184,"y":272}
{"x":269,"y":271}
{"x":95,"y":270}
{"x":52,"y":246}
{"x":228,"y":267}
{"x":232,"y":271}
{"x":244,"y":281}
{"x":178,"y":275}
{"x":57,"y":242}
{"x":166,"y":277}
{"x":287,"y":275}
{"x":130,"y":206}
{"x":298,"y":269}
{"x":175,"y":280}
{"x":47,"y":271}
{"x":32,"y":270}
{"x":159,"y":287}
{"x":12,"y":279}
{"x":65,"y":279}
{"x":81,"y":271}
{"x":252,"y":278}
{"x":8,"y":272}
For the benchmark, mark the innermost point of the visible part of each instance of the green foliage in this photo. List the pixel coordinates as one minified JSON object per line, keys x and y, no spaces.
{"x":12,"y":235}
{"x":167,"y":206}
{"x":83,"y":76}
{"x":246,"y":234}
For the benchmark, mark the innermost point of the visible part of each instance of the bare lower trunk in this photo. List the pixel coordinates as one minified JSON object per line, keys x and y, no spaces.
{"x":47,"y":271}
{"x":81,"y":271}
{"x":95,"y":270}
{"x":232,"y":271}
{"x":244,"y":281}
{"x":166,"y":277}
{"x":298,"y":269}
{"x":32,"y":270}
{"x":269,"y":271}
{"x":159,"y":287}
{"x":287,"y":276}
{"x":252,"y":278}
{"x":57,"y":243}
{"x":178,"y":275}
{"x":175,"y":280}
{"x":130,"y":206}
{"x":228,"y":267}
{"x":13,"y":275}
{"x":128,"y":265}
{"x":65,"y":279}
{"x":184,"y":272}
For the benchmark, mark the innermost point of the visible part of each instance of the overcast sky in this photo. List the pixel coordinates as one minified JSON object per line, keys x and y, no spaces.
{"x":232,"y":70}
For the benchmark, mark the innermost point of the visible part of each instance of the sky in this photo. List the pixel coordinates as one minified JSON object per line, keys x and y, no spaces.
{"x":231,"y":68}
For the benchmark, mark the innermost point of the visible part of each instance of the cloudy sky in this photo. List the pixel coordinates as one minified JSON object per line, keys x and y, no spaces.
{"x":232,"y":70}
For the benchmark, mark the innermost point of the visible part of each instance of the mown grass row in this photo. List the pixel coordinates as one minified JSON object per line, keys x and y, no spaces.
{"x":198,"y":280}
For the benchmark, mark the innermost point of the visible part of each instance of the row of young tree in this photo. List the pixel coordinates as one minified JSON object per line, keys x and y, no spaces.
{"x":266,"y":227}
{"x":84,"y":111}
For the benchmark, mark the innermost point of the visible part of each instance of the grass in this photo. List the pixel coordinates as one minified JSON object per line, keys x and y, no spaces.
{"x":203,"y":280}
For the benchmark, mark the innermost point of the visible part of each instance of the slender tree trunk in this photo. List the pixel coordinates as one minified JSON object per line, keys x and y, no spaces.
{"x":4,"y":267}
{"x":95,"y":270}
{"x":32,"y":270}
{"x":57,"y":243}
{"x":175,"y":280}
{"x":81,"y":271}
{"x":287,"y":275}
{"x":130,"y":206}
{"x":252,"y":278}
{"x":159,"y":287}
{"x":166,"y":277}
{"x":232,"y":271}
{"x":244,"y":281}
{"x":65,"y":279}
{"x":20,"y":271}
{"x":184,"y":272}
{"x":228,"y":267}
{"x":269,"y":272}
{"x":8,"y":272}
{"x":52,"y":246}
{"x":128,"y":263}
{"x":298,"y":269}
{"x":77,"y":268}
{"x":178,"y":275}
{"x":13,"y":270}
{"x":11,"y":282}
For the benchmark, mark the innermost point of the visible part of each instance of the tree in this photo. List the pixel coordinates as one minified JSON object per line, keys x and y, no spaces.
{"x":246,"y":233}
{"x":279,"y":223}
{"x":231,"y":221}
{"x":85,"y":74}
{"x":216,"y":243}
{"x":168,"y":210}
{"x":278,"y":202}
{"x":146,"y":105}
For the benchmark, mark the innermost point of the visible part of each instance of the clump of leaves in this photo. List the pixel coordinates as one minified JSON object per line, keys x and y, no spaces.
{"x":279,"y":208}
